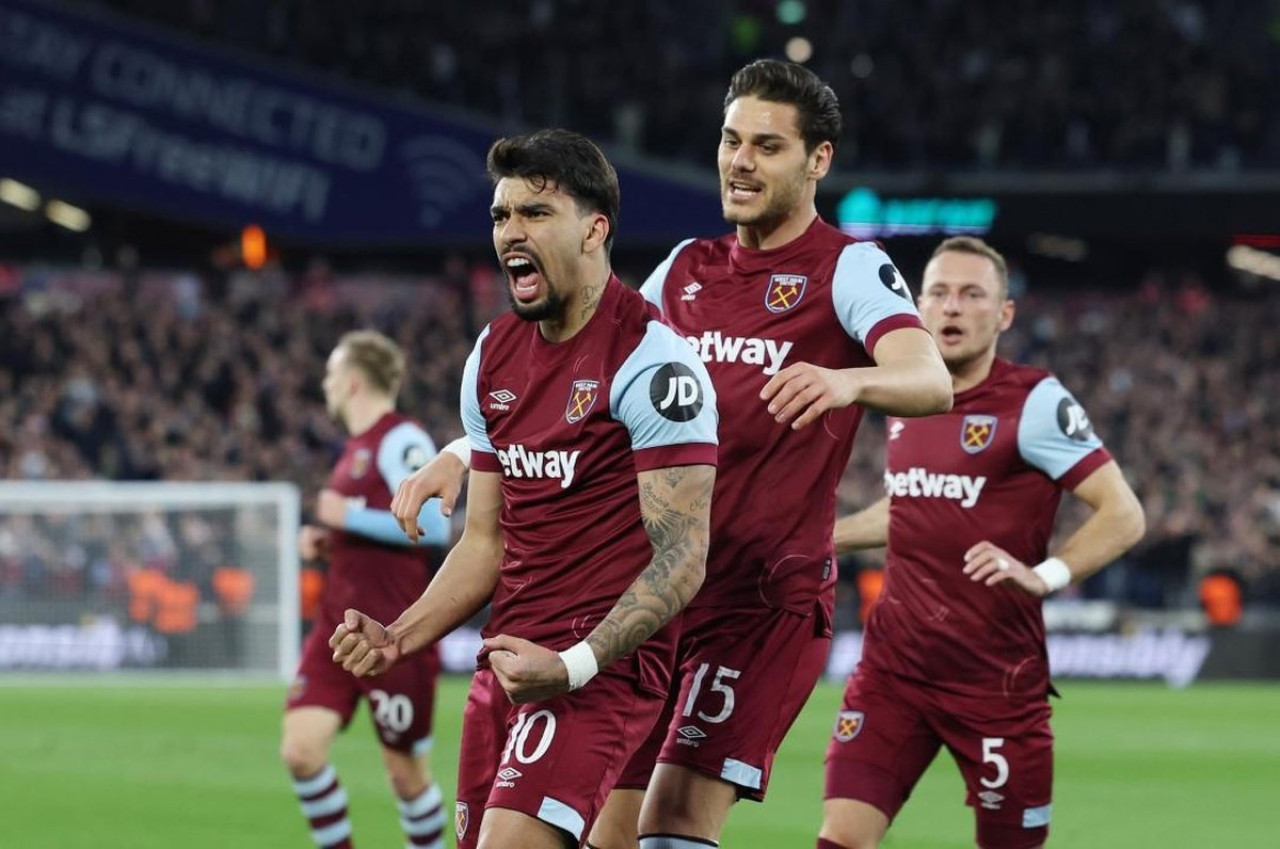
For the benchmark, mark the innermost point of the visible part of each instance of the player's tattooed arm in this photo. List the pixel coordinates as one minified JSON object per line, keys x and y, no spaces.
{"x":675,"y":504}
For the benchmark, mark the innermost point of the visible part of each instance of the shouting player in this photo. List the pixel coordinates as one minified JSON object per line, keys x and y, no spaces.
{"x":592,"y":429}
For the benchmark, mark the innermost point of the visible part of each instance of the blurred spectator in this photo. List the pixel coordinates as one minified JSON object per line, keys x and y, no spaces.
{"x":1181,"y":380}
{"x":944,"y":83}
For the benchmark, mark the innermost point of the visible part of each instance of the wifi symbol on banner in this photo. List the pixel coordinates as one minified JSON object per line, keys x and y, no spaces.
{"x":444,"y":173}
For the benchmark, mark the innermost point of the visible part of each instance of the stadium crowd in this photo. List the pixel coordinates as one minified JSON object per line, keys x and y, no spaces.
{"x":957,"y":85}
{"x":217,"y":378}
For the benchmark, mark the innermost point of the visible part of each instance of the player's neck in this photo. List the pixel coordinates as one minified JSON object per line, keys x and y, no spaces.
{"x":578,"y":308}
{"x":970,"y":374}
{"x":363,"y":415}
{"x":779,"y":232}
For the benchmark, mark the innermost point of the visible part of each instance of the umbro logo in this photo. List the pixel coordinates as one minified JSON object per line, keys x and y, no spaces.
{"x":500,"y":399}
{"x":691,"y":732}
{"x":691,"y":291}
{"x":509,"y":774}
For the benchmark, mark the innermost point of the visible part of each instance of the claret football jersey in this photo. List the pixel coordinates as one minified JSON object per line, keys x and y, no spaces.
{"x":993,"y":468}
{"x":823,"y":299}
{"x":568,"y":426}
{"x":378,"y":578}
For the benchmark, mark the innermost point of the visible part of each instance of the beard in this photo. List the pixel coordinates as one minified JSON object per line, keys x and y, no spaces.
{"x":551,"y":306}
{"x":779,"y":202}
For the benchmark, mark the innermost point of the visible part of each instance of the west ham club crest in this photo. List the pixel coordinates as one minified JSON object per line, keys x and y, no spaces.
{"x":461,"y":820}
{"x":784,"y":292}
{"x":977,"y":432}
{"x":848,"y":724}
{"x":360,"y":463}
{"x":581,"y":399}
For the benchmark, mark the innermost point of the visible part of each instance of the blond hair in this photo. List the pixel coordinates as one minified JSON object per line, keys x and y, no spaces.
{"x":377,"y":357}
{"x":977,"y":247}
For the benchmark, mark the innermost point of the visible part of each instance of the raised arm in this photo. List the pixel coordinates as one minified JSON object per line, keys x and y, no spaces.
{"x":459,"y":590}
{"x":868,"y":528}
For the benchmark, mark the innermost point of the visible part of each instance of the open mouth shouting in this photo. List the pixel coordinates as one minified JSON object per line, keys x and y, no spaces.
{"x":525,"y":276}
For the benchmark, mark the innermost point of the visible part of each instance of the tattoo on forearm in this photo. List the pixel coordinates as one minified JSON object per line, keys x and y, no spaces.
{"x":675,"y":507}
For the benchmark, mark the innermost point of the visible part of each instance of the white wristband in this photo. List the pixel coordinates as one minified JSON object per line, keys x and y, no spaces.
{"x":1054,"y":573}
{"x":460,"y":448}
{"x":580,"y":660}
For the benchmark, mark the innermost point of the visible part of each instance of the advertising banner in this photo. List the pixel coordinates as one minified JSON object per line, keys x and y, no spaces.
{"x":102,"y":111}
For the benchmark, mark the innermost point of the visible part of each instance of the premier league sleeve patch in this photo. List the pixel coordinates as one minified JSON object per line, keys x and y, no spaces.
{"x":976,"y":433}
{"x":582,"y":397}
{"x":784,"y":292}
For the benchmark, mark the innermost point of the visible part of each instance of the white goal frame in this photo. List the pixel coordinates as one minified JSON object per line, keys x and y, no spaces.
{"x":34,"y":497}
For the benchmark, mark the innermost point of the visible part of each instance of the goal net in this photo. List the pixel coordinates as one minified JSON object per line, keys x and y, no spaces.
{"x":195,"y":577}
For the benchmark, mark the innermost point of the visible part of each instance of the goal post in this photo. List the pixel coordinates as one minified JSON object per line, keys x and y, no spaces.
{"x":190,"y":577}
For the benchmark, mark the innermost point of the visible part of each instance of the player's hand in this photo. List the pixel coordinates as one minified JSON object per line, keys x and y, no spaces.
{"x":331,"y":509}
{"x":313,"y":542}
{"x":993,"y":565}
{"x":362,"y":646}
{"x":528,"y":672}
{"x":804,"y":392}
{"x":441,"y":478}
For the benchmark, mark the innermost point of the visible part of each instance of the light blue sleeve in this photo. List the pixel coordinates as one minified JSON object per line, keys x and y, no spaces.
{"x":663,"y":394}
{"x":1054,"y":432}
{"x":652,"y":288}
{"x":404,"y":449}
{"x":472,"y":419}
{"x":382,"y":525}
{"x":868,"y":288}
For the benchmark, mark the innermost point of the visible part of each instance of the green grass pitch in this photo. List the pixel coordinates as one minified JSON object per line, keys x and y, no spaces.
{"x":140,"y":765}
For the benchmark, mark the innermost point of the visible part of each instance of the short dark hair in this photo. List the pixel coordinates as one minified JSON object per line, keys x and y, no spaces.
{"x":977,"y":247}
{"x":570,"y":160}
{"x":786,"y":82}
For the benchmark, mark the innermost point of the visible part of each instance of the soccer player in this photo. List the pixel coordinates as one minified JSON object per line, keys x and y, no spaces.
{"x":372,"y":566}
{"x":592,"y":430}
{"x":954,"y":652}
{"x":801,"y":327}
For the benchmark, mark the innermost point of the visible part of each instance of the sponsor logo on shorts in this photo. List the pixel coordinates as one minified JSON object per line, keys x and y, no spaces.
{"x":507,"y":777}
{"x":461,"y":819}
{"x":990,"y":799}
{"x":691,"y":734}
{"x":297,"y":688}
{"x":848,"y":725}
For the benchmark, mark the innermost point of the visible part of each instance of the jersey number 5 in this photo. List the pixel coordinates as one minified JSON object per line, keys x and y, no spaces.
{"x":991,"y":756}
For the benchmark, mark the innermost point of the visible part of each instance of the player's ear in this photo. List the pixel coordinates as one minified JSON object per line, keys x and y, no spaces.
{"x":1006,"y":314}
{"x":820,"y":160}
{"x":597,"y":233}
